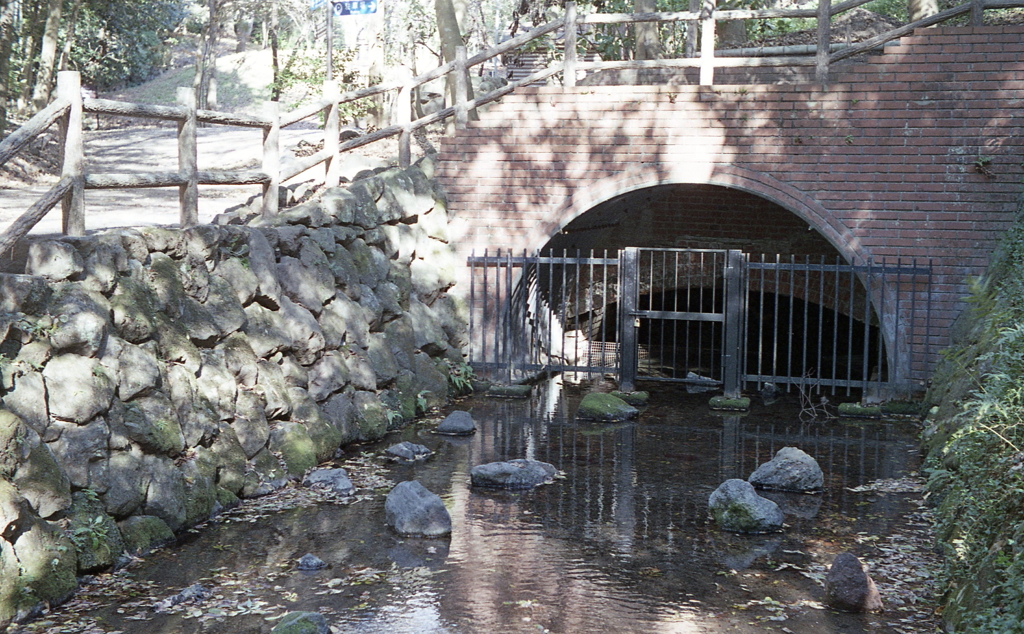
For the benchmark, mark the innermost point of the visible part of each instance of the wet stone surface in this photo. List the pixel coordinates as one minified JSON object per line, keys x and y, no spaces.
{"x":621,"y":543}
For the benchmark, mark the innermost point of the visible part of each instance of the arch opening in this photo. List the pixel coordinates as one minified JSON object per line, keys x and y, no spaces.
{"x":800,"y":325}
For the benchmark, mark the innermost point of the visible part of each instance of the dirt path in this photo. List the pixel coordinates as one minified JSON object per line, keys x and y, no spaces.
{"x":134,"y":150}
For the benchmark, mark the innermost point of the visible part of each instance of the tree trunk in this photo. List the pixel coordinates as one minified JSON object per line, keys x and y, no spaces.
{"x":69,"y":39}
{"x":31,"y":31}
{"x":647,"y":44}
{"x":47,"y":56}
{"x":243,"y":31}
{"x":451,"y":37}
{"x":6,"y":41}
{"x":206,"y":61}
{"x":275,"y":90}
{"x":921,"y":9}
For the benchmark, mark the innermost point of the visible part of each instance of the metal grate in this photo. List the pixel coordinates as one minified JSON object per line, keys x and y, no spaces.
{"x":710,"y":317}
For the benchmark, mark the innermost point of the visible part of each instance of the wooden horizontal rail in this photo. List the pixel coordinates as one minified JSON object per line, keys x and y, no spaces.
{"x":772,"y":51}
{"x":846,"y":6}
{"x":696,"y":62}
{"x":134,"y":181}
{"x":174,"y":179}
{"x":20,"y":227}
{"x":874,"y":42}
{"x":42,"y":120}
{"x":233,"y":177}
{"x":140,"y":111}
{"x":226,"y":118}
{"x":681,"y":16}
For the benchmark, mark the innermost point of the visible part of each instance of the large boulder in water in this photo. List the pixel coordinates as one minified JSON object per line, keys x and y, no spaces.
{"x":849,"y":588}
{"x":408,"y":451}
{"x":411,"y":509}
{"x":335,"y":480}
{"x":458,"y":423}
{"x":606,"y":408}
{"x":302,"y":623}
{"x":514,"y":474}
{"x":790,"y":470}
{"x":738,"y":508}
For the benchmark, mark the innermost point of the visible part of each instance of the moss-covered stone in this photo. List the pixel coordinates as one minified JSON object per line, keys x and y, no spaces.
{"x":326,"y":437}
{"x":265,"y":475}
{"x":856,"y":410}
{"x":722,"y":403}
{"x":601,"y":407}
{"x":152,"y":422}
{"x":371,"y":416}
{"x":291,"y":441}
{"x":143,"y":533}
{"x":636,"y":399}
{"x":301,"y":623}
{"x":509,"y":391}
{"x":907,"y":409}
{"x":48,"y":562}
{"x":43,"y":483}
{"x":96,"y":537}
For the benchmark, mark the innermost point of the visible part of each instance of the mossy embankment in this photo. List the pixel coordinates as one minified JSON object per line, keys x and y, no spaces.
{"x":974,"y":439}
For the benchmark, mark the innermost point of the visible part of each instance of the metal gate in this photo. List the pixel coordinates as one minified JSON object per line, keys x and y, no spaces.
{"x":715,"y":318}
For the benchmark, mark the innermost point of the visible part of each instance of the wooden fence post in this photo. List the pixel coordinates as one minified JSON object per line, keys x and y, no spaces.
{"x":188,"y":159}
{"x":824,"y":41}
{"x":977,"y":12}
{"x":569,"y":60}
{"x":69,"y":87}
{"x":461,"y":89}
{"x":691,"y":31}
{"x":403,"y":117}
{"x":707,"y":43}
{"x":272,"y":158}
{"x":332,"y":134}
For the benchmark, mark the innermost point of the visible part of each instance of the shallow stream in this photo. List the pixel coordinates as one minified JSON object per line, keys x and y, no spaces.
{"x":621,"y":543}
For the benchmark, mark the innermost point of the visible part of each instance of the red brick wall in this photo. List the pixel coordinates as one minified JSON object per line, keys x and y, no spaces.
{"x":881,"y":163}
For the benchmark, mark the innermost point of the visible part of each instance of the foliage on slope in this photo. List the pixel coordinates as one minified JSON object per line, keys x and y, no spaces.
{"x":975,"y":446}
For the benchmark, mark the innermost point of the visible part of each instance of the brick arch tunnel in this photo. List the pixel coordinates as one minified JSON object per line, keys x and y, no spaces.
{"x":788,"y":313}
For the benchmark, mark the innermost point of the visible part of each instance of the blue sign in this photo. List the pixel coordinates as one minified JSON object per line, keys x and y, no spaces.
{"x":316,"y":4}
{"x":355,"y":7}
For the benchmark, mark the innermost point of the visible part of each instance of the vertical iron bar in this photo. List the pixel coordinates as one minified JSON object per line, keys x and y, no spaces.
{"x":650,"y":306}
{"x":821,"y":315}
{"x":689,"y":307}
{"x":604,"y":311}
{"x":867,"y":332}
{"x":807,"y":298}
{"x":628,"y":278}
{"x":792,"y":292}
{"x":551,"y":309}
{"x":760,"y":327}
{"x":483,"y":321}
{"x":590,"y":321}
{"x":775,"y":320}
{"x":472,"y":304}
{"x":835,"y":330}
{"x":661,"y":343}
{"x":497,"y":311}
{"x":675,"y":308}
{"x":928,"y":318}
{"x":731,"y":277}
{"x":849,"y":337}
{"x":700,"y":325}
{"x":576,"y":316}
{"x":564,"y":301}
{"x":509,"y":340}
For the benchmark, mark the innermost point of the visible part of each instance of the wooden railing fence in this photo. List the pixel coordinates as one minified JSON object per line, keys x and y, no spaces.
{"x":69,"y":106}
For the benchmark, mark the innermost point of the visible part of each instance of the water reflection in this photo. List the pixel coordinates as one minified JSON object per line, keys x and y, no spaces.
{"x":621,"y":544}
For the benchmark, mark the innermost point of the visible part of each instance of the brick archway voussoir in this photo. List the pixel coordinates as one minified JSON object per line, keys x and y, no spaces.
{"x":588,"y":195}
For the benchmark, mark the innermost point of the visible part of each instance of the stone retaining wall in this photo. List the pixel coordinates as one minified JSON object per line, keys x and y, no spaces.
{"x":150,"y":377}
